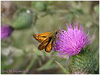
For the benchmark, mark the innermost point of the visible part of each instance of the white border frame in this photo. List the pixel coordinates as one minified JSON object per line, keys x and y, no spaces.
{"x":50,"y":0}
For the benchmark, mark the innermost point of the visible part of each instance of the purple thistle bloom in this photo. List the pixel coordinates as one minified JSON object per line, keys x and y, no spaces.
{"x":6,"y":31}
{"x":71,"y":42}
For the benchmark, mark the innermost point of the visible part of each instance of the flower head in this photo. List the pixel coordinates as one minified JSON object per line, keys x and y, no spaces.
{"x":6,"y":31}
{"x":71,"y":42}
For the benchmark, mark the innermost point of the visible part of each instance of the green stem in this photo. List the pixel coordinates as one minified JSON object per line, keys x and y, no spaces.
{"x":66,"y":71}
{"x":29,"y":66}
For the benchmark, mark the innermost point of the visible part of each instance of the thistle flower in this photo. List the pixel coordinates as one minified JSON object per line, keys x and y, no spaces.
{"x":6,"y":31}
{"x":71,"y":42}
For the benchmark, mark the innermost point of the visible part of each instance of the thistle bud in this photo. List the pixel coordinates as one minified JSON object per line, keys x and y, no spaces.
{"x":24,"y":20}
{"x":40,"y":6}
{"x":84,"y":63}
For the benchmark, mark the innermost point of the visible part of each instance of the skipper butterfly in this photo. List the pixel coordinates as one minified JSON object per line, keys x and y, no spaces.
{"x":46,"y":39}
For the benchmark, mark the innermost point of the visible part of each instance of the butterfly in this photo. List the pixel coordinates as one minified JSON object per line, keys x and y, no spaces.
{"x":46,"y":39}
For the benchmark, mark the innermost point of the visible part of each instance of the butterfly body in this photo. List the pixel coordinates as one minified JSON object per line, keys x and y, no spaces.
{"x":46,"y":39}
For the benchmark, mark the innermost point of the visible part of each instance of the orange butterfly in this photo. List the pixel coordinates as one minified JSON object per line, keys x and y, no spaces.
{"x":46,"y":39}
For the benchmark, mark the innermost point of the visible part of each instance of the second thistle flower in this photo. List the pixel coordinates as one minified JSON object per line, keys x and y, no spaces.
{"x":6,"y":31}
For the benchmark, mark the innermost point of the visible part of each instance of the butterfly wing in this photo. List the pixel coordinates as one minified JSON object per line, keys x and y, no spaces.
{"x":43,"y":44}
{"x":41,"y":37}
{"x":49,"y":46}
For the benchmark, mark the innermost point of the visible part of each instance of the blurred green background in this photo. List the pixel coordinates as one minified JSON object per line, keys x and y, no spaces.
{"x":19,"y":52}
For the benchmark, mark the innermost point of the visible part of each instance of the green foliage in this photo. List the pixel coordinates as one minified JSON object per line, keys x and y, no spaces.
{"x":96,"y":9}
